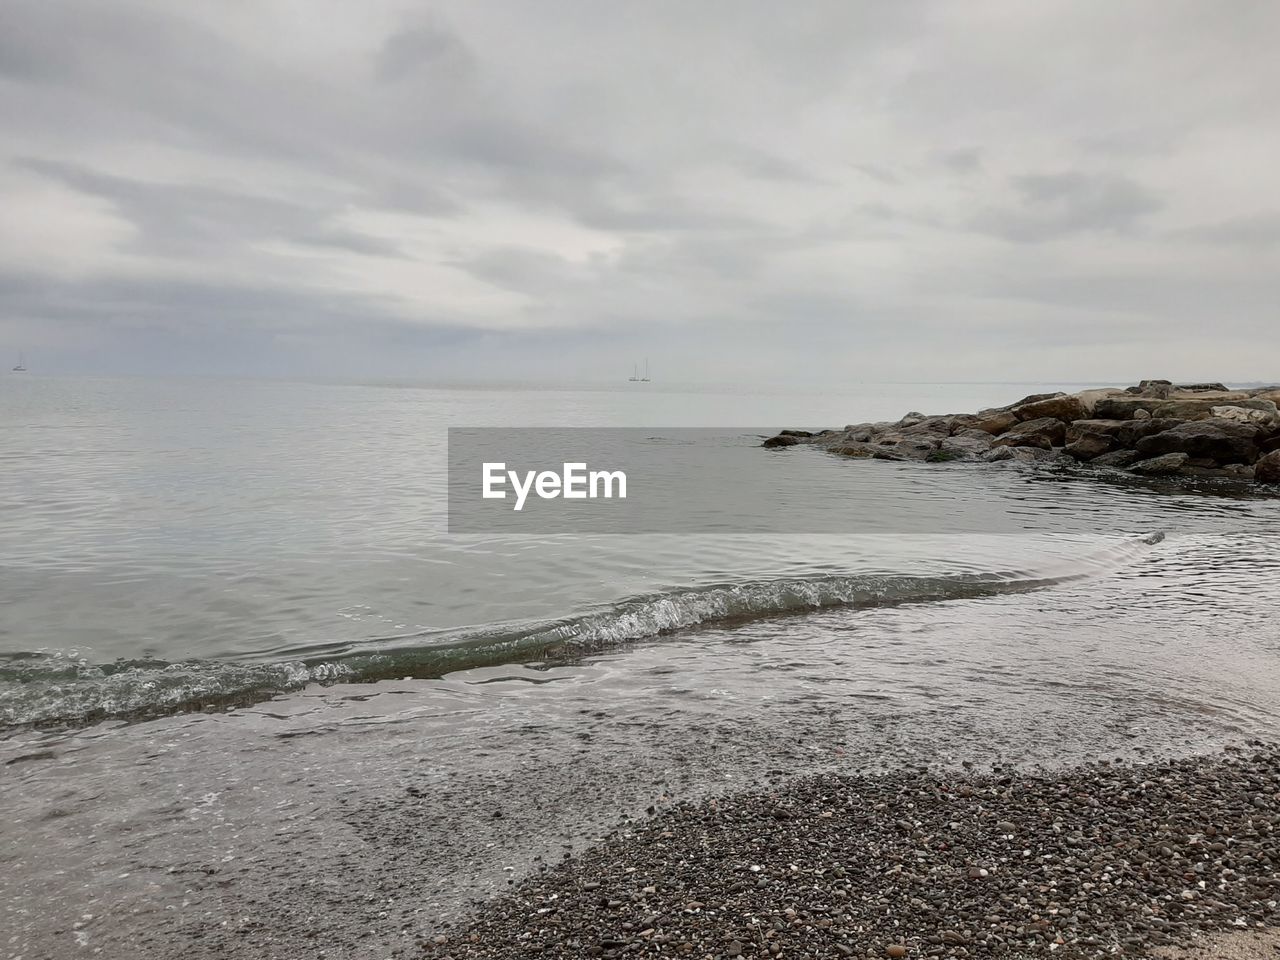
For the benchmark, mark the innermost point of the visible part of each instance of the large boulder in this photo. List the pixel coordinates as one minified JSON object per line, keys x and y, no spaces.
{"x":1261,"y":418}
{"x":1045,"y":433}
{"x":784,"y":439}
{"x":1203,"y":409}
{"x":1122,"y":408}
{"x":1064,"y":407}
{"x":1117,"y":459}
{"x":1089,"y":445}
{"x":1162,"y":465}
{"x":1019,"y":455}
{"x":1153,"y":388}
{"x":1267,"y":470}
{"x":1217,"y":396}
{"x":966,"y":446}
{"x":1125,"y":408}
{"x":1222,"y":441}
{"x":908,"y":448}
{"x":1090,"y":398}
{"x":931,"y":426}
{"x":1105,"y":428}
{"x":852,"y":448}
{"x":995,"y":421}
{"x":1134,"y":430}
{"x":1032,"y":398}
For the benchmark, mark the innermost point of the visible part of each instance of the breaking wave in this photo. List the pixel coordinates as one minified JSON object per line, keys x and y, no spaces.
{"x":64,"y":688}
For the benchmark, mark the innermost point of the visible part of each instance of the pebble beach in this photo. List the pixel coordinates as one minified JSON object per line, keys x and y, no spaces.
{"x":1148,"y":860}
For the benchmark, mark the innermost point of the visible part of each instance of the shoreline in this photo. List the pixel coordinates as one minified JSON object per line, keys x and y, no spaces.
{"x":1092,"y":861}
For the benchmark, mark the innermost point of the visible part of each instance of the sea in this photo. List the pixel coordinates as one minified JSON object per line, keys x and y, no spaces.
{"x":256,"y":698}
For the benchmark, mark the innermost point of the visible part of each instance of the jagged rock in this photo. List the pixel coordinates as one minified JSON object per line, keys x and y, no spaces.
{"x":906,"y":448}
{"x":1134,"y":430}
{"x":1125,"y":408}
{"x":1032,"y":398}
{"x":1222,"y":441}
{"x":1200,"y":387}
{"x":995,"y":421}
{"x":859,"y":451}
{"x":1203,"y":409}
{"x":1161,"y":465}
{"x":966,"y":447}
{"x":795,"y":433}
{"x":1044,"y":432}
{"x":1261,"y":418}
{"x":1121,"y":408}
{"x":1018,"y":455}
{"x":1119,"y":459}
{"x":783,"y":439}
{"x":1089,"y":445}
{"x":1106,"y":428}
{"x":1141,"y":414}
{"x":862,"y":432}
{"x":1063,"y":407}
{"x":940,"y":426}
{"x":1217,"y":396}
{"x":1090,"y":398}
{"x":1158,"y":389}
{"x":1267,"y":470}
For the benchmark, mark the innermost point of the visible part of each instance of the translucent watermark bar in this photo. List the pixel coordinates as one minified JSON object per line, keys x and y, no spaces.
{"x":550,"y":480}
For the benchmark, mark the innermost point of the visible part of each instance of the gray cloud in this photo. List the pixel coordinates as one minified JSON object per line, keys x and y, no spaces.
{"x":1258,"y":230}
{"x":849,"y":189}
{"x":196,"y":220}
{"x":1059,"y":204}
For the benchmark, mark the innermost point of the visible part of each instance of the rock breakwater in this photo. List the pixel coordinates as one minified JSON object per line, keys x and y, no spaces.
{"x":1156,"y":428}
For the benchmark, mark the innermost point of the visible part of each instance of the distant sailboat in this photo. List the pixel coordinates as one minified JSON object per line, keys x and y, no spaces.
{"x":21,"y":365}
{"x":635,"y":373}
{"x":645,"y":378}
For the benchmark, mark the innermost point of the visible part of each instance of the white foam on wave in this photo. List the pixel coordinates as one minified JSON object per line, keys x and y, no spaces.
{"x":65,"y":687}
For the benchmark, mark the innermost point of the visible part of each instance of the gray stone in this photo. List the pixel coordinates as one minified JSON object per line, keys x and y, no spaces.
{"x":1162,"y":465}
{"x":1267,"y":470}
{"x":1117,"y":459}
{"x":1064,"y":407}
{"x":1044,"y":432}
{"x":1109,"y":428}
{"x":966,"y":447}
{"x":1134,"y":430}
{"x":995,"y":421}
{"x":1089,"y":446}
{"x":1222,"y":441}
{"x":781,"y":440}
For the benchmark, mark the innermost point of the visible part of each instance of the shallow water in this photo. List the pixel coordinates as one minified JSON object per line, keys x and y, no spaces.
{"x":356,"y":817}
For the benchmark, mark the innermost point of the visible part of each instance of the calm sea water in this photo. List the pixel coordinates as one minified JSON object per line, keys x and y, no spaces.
{"x":355,"y":699}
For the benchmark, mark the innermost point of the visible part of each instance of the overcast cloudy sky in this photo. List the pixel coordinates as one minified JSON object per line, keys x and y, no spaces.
{"x":985,"y":190}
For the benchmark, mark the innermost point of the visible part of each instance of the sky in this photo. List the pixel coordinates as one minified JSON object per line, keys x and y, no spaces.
{"x":813,"y":193}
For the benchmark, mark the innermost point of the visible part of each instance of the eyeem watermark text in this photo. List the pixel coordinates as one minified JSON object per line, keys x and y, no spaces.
{"x":575,"y":482}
